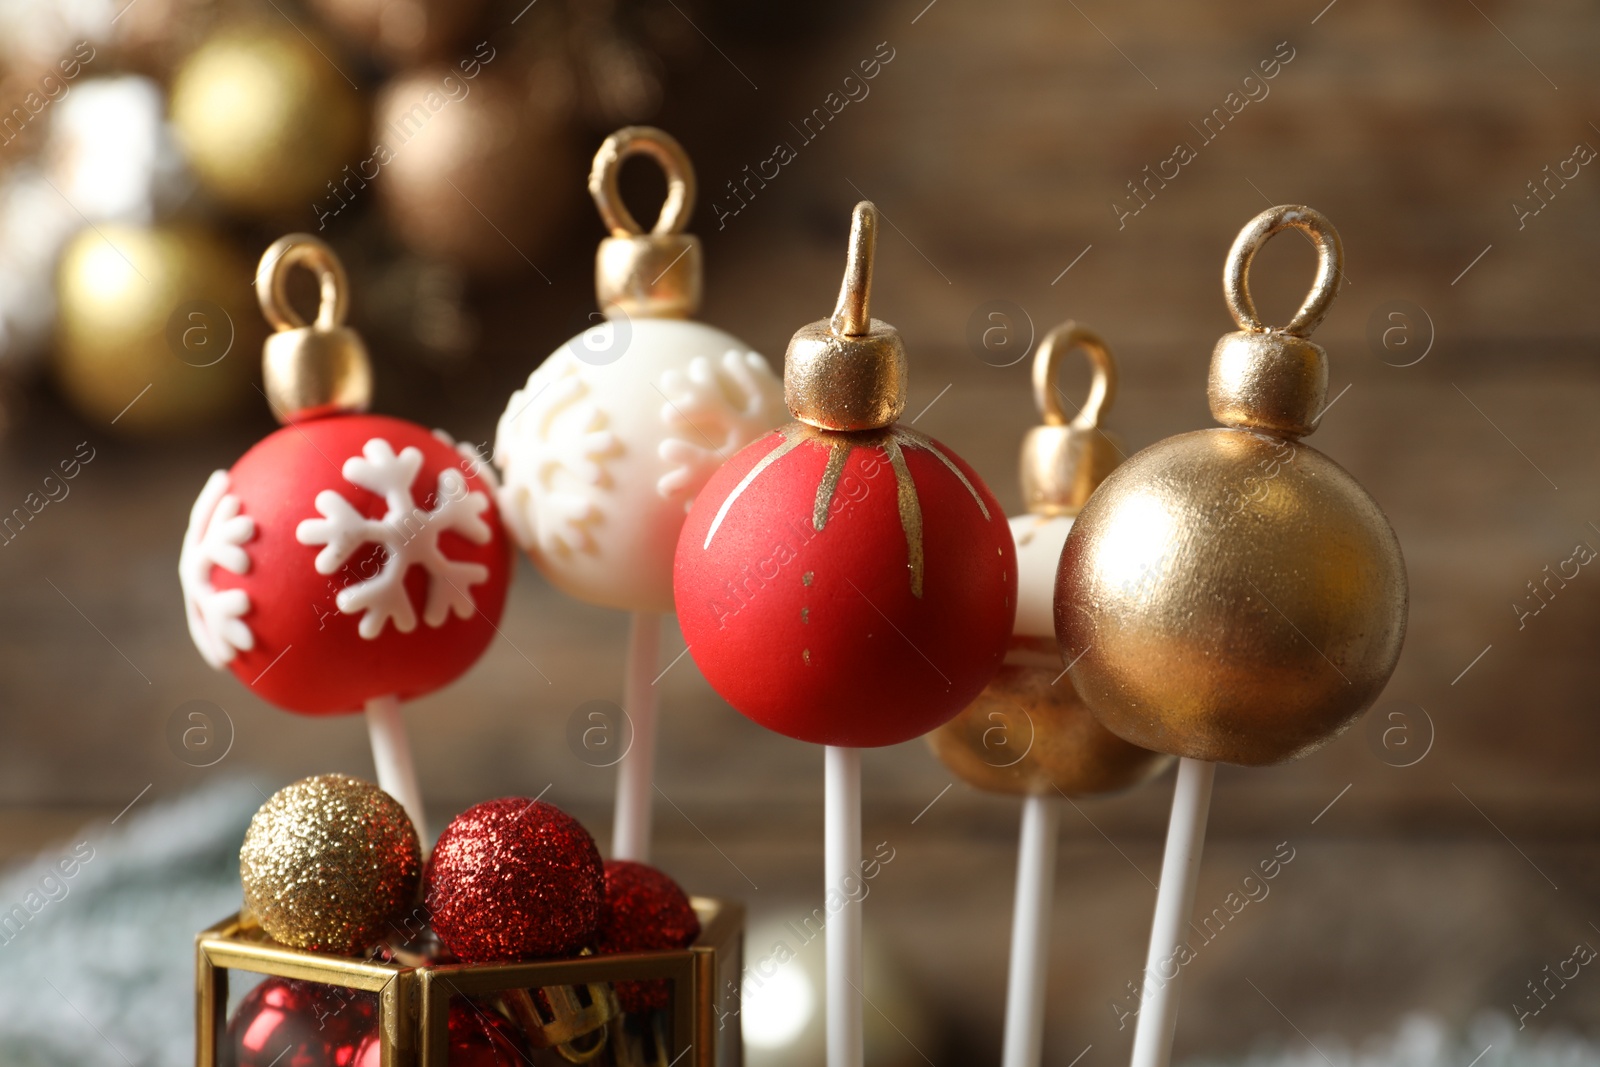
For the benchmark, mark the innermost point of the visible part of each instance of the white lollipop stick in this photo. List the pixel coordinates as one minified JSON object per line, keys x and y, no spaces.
{"x":391,"y":754}
{"x":842,"y":845}
{"x":630,"y":833}
{"x":1030,"y":933}
{"x":1180,"y":870}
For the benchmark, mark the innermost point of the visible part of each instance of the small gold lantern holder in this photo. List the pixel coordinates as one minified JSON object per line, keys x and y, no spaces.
{"x":414,"y":1000}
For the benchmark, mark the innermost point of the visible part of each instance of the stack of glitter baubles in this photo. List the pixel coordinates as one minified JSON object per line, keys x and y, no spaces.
{"x":514,"y":943}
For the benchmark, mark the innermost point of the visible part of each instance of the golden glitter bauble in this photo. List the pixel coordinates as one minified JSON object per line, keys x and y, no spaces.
{"x":266,"y":117}
{"x":1232,"y":594}
{"x":328,"y":863}
{"x":1028,"y":732}
{"x":156,"y":327}
{"x":474,"y":171}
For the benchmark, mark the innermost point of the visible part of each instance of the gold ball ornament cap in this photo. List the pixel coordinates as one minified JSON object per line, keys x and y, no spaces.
{"x":317,"y":368}
{"x":848,"y":372}
{"x":1064,"y":462}
{"x":328,"y":862}
{"x":646,"y":275}
{"x":1232,"y":594}
{"x":1268,"y":378}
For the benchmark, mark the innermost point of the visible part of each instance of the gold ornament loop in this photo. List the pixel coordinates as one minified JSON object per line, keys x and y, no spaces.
{"x":1102,"y":387}
{"x":1324,"y":287}
{"x":310,"y":369}
{"x":272,"y":278}
{"x":665,"y":150}
{"x":852,"y":314}
{"x":1064,"y":462}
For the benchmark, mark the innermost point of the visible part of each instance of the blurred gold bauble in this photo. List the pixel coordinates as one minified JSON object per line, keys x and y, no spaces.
{"x":402,"y":32}
{"x":1028,"y":732}
{"x":1232,"y":594}
{"x":328,"y":863}
{"x":266,"y":118}
{"x":477,"y":178}
{"x":156,"y":327}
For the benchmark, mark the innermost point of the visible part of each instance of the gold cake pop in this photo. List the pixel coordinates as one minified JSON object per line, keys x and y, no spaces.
{"x":1028,"y":732}
{"x":1232,"y":594}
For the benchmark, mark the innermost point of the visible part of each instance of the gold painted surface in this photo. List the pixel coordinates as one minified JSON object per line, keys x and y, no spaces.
{"x":1272,"y":378}
{"x":1220,"y":623}
{"x":1026,"y":735}
{"x":647,"y":275}
{"x":1063,"y":461}
{"x":317,"y":368}
{"x":848,"y":372}
{"x":910,"y":512}
{"x":1230,"y":595}
{"x":890,"y":441}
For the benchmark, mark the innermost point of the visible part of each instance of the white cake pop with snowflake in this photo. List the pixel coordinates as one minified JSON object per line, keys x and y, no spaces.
{"x":605,"y":448}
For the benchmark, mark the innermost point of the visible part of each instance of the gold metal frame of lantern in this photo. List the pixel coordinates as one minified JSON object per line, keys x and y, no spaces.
{"x":414,"y":1001}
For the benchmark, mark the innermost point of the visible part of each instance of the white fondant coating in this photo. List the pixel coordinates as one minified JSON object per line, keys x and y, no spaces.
{"x":409,"y":536}
{"x":1039,"y":541}
{"x":600,"y":462}
{"x":216,"y":537}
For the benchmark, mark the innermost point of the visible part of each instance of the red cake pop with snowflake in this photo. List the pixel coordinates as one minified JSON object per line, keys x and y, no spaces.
{"x":348,"y":561}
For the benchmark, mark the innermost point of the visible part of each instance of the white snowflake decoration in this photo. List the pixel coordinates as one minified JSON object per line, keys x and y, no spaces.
{"x":216,"y":537}
{"x":473,"y":461}
{"x":547,"y":458}
{"x":409,"y":536}
{"x":713,"y":409}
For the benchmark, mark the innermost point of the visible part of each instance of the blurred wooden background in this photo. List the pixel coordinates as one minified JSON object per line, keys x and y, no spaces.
{"x":995,"y":143}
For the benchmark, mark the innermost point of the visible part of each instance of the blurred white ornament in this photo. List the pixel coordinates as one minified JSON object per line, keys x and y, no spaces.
{"x":35,"y":34}
{"x":111,"y":151}
{"x":109,"y":157}
{"x":780,"y":1007}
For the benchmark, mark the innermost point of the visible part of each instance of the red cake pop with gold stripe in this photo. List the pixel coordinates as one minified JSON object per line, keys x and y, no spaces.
{"x":846,"y":580}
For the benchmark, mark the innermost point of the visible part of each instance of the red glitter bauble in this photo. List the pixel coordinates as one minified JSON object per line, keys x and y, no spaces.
{"x":345,"y":558}
{"x":298,"y":1024}
{"x":478,"y":1038}
{"x":644,"y":911}
{"x":850,"y":589}
{"x":515,"y":879}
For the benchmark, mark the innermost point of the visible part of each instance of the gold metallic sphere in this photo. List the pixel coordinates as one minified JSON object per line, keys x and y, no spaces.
{"x":1024,"y":735}
{"x":1230,"y":596}
{"x":328,"y":863}
{"x":155,"y":332}
{"x":265,"y":118}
